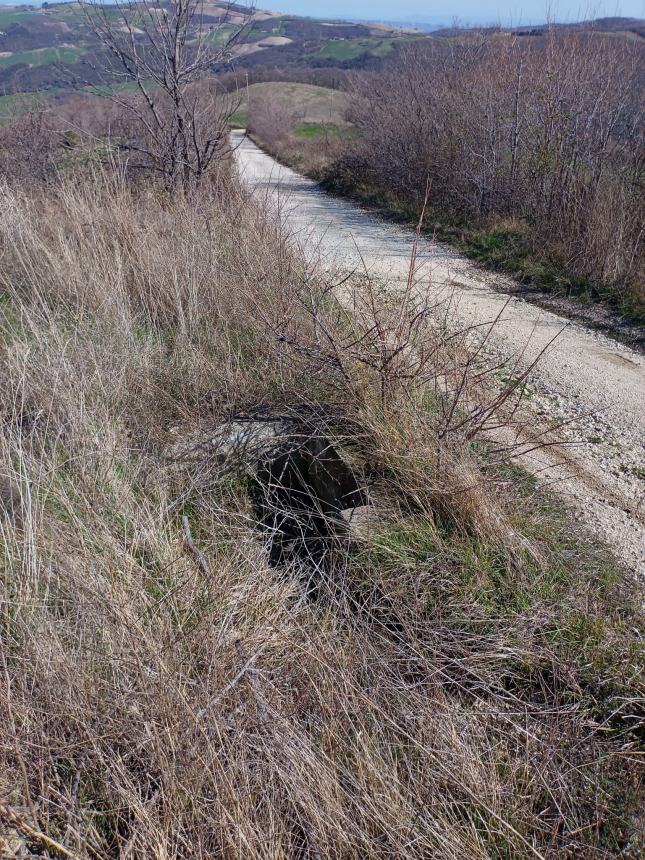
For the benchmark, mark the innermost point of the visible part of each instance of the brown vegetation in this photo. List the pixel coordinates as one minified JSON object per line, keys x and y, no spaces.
{"x":458,"y":677}
{"x":165,"y":51}
{"x":465,"y":681}
{"x":271,"y":119}
{"x":541,"y":144}
{"x":533,"y":151}
{"x":300,"y":124}
{"x":30,"y":146}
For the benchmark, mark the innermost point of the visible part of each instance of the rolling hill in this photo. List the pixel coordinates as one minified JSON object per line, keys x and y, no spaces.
{"x":53,"y":48}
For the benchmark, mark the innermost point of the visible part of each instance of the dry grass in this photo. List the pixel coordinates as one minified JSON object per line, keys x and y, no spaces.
{"x":153,"y":706}
{"x":306,"y":102}
{"x":304,"y":126}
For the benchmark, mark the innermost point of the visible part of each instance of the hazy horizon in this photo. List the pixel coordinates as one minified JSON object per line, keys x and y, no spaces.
{"x":422,"y":11}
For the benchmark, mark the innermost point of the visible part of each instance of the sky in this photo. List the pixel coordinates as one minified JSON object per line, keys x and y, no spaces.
{"x":444,"y":11}
{"x":468,"y":11}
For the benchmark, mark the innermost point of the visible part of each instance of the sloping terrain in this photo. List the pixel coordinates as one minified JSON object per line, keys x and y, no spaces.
{"x":277,"y":579}
{"x":457,"y":677}
{"x":55,"y":47}
{"x":309,"y":104}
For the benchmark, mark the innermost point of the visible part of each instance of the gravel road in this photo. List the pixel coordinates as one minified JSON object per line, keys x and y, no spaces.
{"x":585,"y":379}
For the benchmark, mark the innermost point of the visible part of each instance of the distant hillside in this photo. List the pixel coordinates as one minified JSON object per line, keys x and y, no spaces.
{"x":53,"y":49}
{"x":634,"y":27}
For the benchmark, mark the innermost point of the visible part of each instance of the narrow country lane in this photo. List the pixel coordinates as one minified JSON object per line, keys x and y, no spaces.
{"x":593,"y":384}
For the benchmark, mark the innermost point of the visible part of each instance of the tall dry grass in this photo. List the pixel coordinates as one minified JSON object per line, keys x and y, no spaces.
{"x":152,"y":706}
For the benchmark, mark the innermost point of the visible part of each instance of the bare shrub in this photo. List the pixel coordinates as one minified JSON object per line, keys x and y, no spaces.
{"x":285,"y":132}
{"x":165,"y":51}
{"x":546,"y":131}
{"x":271,"y":119}
{"x":30,"y":146}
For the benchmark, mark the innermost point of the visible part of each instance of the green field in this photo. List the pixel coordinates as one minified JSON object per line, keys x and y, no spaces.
{"x":13,"y":16}
{"x":43,"y":57}
{"x":322,"y":131}
{"x":309,"y":103}
{"x":20,"y":102}
{"x":112,"y":89}
{"x":221,"y":35}
{"x":351,"y":49}
{"x":74,"y":13}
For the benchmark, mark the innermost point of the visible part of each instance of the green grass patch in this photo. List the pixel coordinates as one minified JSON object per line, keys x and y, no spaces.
{"x":501,"y":248}
{"x":43,"y":57}
{"x":13,"y":16}
{"x":17,"y":103}
{"x":221,"y":35}
{"x":240,"y":119}
{"x":112,"y":89}
{"x":324,"y":131}
{"x":253,"y":34}
{"x":576,"y":587}
{"x":351,"y":49}
{"x":508,"y":250}
{"x":409,"y":541}
{"x":73,"y":12}
{"x":20,"y":102}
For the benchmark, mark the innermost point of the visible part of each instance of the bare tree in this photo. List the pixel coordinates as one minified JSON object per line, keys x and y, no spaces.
{"x":166,"y":51}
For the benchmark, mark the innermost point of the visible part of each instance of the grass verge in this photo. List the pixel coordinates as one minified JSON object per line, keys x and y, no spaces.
{"x":499,"y":245}
{"x":466,"y":682}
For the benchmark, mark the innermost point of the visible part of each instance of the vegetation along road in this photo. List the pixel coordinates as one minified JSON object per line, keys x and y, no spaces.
{"x":582,"y":423}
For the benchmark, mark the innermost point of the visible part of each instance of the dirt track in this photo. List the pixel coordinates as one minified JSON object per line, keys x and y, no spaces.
{"x":583,"y":378}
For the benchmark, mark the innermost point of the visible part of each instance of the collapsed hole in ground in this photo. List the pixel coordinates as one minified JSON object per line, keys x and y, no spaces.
{"x":304,"y":494}
{"x":305,"y":491}
{"x":310,"y":500}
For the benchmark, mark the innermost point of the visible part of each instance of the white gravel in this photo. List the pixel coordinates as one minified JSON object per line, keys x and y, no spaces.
{"x":584,"y":378}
